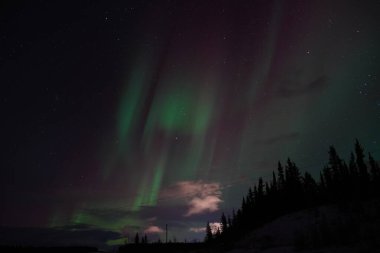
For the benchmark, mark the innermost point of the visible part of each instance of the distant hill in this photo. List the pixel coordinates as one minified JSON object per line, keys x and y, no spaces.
{"x":352,"y":227}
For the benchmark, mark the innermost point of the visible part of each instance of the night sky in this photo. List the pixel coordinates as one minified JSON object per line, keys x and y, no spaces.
{"x":122,"y":117}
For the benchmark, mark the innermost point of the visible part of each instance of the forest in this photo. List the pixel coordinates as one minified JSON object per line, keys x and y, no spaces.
{"x":347,"y":184}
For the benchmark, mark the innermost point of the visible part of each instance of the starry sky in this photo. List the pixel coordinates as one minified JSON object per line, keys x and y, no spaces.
{"x":120,"y":117}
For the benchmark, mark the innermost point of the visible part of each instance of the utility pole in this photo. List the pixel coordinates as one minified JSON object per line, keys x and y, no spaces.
{"x":166,"y":237}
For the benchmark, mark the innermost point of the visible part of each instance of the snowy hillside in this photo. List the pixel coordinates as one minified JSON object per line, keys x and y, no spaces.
{"x":333,"y":228}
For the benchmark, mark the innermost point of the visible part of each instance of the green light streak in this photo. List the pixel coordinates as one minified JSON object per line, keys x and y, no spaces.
{"x":83,"y":217}
{"x":156,"y":185}
{"x":179,"y":111}
{"x":173,"y":112}
{"x":120,"y":241}
{"x":131,"y":102}
{"x":129,"y":110}
{"x":150,"y":188}
{"x":203,"y":115}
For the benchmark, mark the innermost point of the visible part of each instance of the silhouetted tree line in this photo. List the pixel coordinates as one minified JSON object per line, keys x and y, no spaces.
{"x":290,"y":191}
{"x":143,"y":240}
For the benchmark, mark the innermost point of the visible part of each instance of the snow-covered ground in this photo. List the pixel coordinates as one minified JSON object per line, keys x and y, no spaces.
{"x":345,"y":228}
{"x":356,"y":249}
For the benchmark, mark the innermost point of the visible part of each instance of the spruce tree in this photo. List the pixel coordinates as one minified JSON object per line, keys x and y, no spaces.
{"x":335,"y":164}
{"x":145,"y":238}
{"x":250,"y":198}
{"x":336,"y":170}
{"x":229,"y":221}
{"x":260,"y":190}
{"x":209,"y":235}
{"x":310,"y":189}
{"x":137,"y":238}
{"x":281,"y":176}
{"x":353,"y":169}
{"x":267,"y":188}
{"x":375,"y":175}
{"x":223,"y":221}
{"x":289,"y":191}
{"x":375,"y":168}
{"x":274,"y":182}
{"x":363,"y":172}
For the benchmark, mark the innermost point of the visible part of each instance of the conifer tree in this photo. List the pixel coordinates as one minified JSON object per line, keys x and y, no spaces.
{"x":250,"y":198}
{"x":274,"y":182}
{"x":218,"y":233}
{"x":145,"y":238}
{"x":327,"y":175}
{"x":335,"y":164}
{"x":229,"y":221}
{"x":362,"y":167}
{"x":281,"y":176}
{"x":375,"y":168}
{"x":137,"y":238}
{"x":209,"y":235}
{"x":260,"y":190}
{"x":375,"y":175}
{"x":289,"y":191}
{"x":234,"y":217}
{"x":322,"y":181}
{"x":352,"y":166}
{"x":267,"y":188}
{"x":336,"y":170}
{"x":223,"y":221}
{"x":310,"y":189}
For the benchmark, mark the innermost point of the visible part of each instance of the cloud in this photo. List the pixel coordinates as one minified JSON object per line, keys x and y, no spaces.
{"x":291,"y":88}
{"x":202,"y":205}
{"x":213,"y":225}
{"x":200,"y":197}
{"x":150,"y":219}
{"x":153,"y":230}
{"x":198,"y":229}
{"x":190,"y":189}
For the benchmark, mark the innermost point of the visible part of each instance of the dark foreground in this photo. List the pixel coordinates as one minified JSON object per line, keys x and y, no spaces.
{"x":165,"y":247}
{"x":14,"y":249}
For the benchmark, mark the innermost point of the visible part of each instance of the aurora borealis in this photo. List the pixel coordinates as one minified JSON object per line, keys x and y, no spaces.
{"x":123,"y":117}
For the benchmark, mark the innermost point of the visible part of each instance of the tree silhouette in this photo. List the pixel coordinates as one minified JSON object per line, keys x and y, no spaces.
{"x":137,"y":238}
{"x":281,"y":176}
{"x":288,"y":191}
{"x":310,"y":190}
{"x":362,"y":167}
{"x":375,"y":173}
{"x":274,"y":182}
{"x":223,"y":221}
{"x":144,"y":239}
{"x":209,"y":235}
{"x":375,"y":168}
